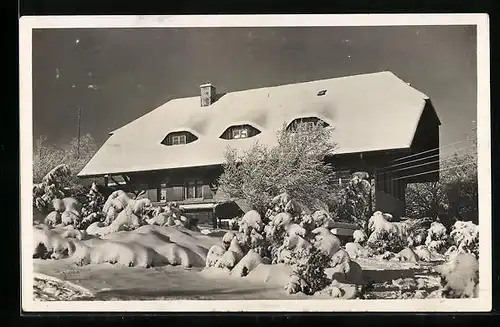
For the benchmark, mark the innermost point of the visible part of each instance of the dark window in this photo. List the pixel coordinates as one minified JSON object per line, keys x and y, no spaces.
{"x":194,"y":190}
{"x":177,"y":138}
{"x":239,"y":132}
{"x":171,"y":193}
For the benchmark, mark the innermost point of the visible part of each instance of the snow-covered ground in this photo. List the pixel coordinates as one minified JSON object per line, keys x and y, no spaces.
{"x":108,"y":282}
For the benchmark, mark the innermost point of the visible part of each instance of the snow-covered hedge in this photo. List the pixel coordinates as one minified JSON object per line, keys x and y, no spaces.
{"x":465,"y":236}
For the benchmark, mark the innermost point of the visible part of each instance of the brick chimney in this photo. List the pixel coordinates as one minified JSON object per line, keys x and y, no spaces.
{"x":207,"y":94}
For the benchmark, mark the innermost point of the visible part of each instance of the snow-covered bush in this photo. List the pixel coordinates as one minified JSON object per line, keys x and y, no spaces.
{"x":168,"y":215}
{"x":50,"y":188}
{"x":436,"y":240}
{"x":213,"y":255}
{"x":460,"y":276}
{"x":309,"y":271}
{"x":129,"y":218}
{"x":92,"y":207}
{"x":352,"y":201}
{"x":385,"y":235}
{"x":465,"y":236}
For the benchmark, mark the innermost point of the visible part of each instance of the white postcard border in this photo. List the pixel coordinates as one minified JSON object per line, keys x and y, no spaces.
{"x":482,"y":303}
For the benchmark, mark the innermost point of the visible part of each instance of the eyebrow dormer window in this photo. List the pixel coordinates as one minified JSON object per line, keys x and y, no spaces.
{"x":239,"y":132}
{"x":306,"y":123}
{"x":179,"y":138}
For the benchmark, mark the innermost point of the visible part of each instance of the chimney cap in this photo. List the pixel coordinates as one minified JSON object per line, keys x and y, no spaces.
{"x":206,"y":84}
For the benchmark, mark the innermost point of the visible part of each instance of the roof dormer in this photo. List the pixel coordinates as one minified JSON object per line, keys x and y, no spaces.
{"x":307,"y":123}
{"x":179,"y":138}
{"x":239,"y":132}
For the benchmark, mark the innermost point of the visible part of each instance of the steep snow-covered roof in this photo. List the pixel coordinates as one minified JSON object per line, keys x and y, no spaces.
{"x":368,"y":112}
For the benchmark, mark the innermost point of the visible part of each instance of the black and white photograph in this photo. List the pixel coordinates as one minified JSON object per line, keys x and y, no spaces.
{"x":282,"y":162}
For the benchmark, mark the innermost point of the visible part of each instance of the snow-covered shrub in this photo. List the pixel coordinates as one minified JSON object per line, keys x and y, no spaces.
{"x":251,"y":220}
{"x":92,"y":208}
{"x":213,"y":255}
{"x":321,"y":218}
{"x":465,"y":236}
{"x":285,"y":235}
{"x":325,"y":241}
{"x":436,"y":240}
{"x":169,"y":215}
{"x":417,"y":230}
{"x":50,"y":188}
{"x":309,"y":271}
{"x":460,"y":276}
{"x":353,"y":200}
{"x":385,"y":235}
{"x":129,"y":218}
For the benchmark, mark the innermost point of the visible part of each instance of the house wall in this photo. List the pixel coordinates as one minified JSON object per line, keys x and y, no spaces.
{"x":389,"y":204}
{"x":174,"y":183}
{"x":423,"y":165}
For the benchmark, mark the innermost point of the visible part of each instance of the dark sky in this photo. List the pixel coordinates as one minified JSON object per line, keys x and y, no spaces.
{"x":117,"y":75}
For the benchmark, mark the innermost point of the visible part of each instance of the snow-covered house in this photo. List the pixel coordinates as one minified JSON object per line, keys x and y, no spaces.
{"x":380,"y":123}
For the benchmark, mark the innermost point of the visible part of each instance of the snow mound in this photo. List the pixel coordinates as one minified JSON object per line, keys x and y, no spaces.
{"x":338,"y":290}
{"x":144,"y":247}
{"x":359,"y":236}
{"x":407,"y":254}
{"x":355,"y":250}
{"x":128,"y":254}
{"x":251,"y":260}
{"x":423,"y":253}
{"x":275,"y":274}
{"x":343,"y":269}
{"x":460,"y":276}
{"x":70,"y":232}
{"x":49,"y":244}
